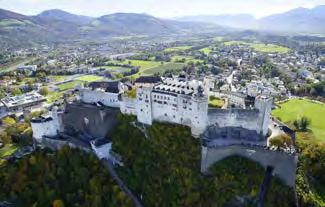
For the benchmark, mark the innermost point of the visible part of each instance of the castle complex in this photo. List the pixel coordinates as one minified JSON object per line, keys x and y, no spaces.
{"x":177,"y":100}
{"x":242,"y":122}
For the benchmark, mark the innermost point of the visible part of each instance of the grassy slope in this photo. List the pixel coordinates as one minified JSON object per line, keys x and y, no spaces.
{"x":297,"y":108}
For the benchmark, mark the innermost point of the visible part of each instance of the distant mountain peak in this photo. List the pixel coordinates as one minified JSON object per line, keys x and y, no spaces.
{"x":57,"y":14}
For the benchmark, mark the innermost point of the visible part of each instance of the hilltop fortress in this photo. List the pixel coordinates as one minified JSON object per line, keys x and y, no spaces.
{"x":176,"y":100}
{"x":240,"y":127}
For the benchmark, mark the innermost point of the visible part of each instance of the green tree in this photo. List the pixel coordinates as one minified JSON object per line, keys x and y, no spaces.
{"x":16,"y":92}
{"x":304,"y":123}
{"x":9,"y":121}
{"x":44,"y":91}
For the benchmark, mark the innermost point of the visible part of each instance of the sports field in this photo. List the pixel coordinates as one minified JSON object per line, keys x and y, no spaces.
{"x":297,"y":108}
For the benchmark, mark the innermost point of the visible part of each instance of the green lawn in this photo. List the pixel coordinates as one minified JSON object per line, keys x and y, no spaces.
{"x":58,"y":78}
{"x":89,"y":78}
{"x":69,"y":85}
{"x":296,"y":108}
{"x":270,"y":48}
{"x":176,"y":49}
{"x":53,"y":96}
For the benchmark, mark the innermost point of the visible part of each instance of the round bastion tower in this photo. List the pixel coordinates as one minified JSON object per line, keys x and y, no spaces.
{"x":200,"y":112}
{"x":264,"y":105}
{"x":46,"y":125}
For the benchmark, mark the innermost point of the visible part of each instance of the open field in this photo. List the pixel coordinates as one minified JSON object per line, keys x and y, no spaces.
{"x":89,"y":78}
{"x":230,"y":43}
{"x":269,"y":48}
{"x":187,"y":59}
{"x":296,"y":108}
{"x":69,"y":85}
{"x":259,"y":47}
{"x":163,"y":68}
{"x":175,"y":49}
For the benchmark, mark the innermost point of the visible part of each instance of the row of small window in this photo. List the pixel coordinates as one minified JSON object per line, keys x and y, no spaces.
{"x":162,"y":97}
{"x":164,"y":102}
{"x":185,"y":102}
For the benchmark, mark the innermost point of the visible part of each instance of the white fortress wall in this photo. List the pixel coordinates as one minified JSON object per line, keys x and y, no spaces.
{"x":46,"y":128}
{"x":128,"y":106}
{"x":97,"y":95}
{"x":248,"y":119}
{"x":144,"y":113}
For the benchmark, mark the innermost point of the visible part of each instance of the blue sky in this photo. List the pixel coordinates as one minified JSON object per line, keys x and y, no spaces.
{"x":161,"y":8}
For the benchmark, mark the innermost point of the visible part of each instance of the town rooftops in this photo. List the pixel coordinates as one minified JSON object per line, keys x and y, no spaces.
{"x":22,"y":100}
{"x":108,"y":86}
{"x":148,"y":79}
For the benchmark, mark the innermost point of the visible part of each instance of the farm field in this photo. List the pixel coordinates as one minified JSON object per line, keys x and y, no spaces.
{"x":296,"y":108}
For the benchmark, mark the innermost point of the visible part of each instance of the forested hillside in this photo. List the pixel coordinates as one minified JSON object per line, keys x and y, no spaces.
{"x":67,"y":178}
{"x":162,"y":170}
{"x":165,"y":171}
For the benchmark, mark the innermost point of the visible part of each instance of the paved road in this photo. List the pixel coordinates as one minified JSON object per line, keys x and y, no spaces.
{"x":120,"y":182}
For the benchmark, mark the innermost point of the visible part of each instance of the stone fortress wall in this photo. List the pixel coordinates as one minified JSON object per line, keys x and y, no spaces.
{"x":284,"y":164}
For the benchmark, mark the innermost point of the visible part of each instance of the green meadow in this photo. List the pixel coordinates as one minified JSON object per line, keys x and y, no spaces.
{"x":297,"y":108}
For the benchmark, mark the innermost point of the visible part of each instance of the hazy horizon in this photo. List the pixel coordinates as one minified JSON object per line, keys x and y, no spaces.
{"x":167,"y":9}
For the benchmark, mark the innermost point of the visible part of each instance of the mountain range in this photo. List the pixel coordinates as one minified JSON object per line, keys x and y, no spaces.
{"x":58,"y":25}
{"x":296,"y":21}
